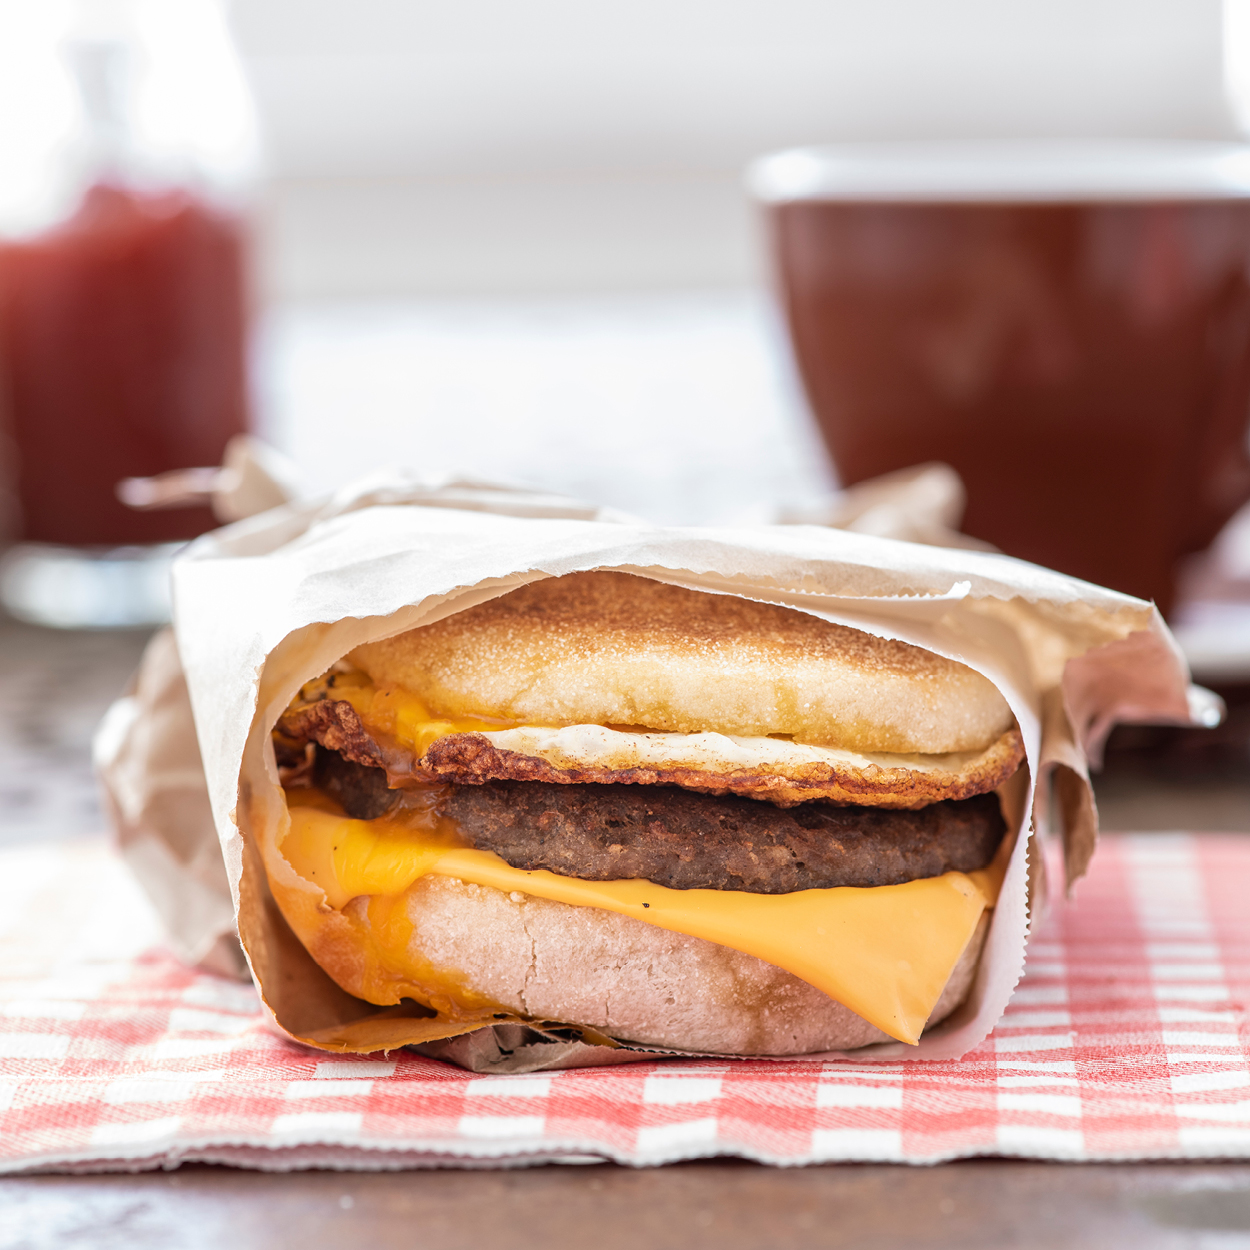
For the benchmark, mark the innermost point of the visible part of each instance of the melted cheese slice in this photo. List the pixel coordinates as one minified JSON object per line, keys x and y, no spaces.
{"x":394,"y":711}
{"x":885,"y":952}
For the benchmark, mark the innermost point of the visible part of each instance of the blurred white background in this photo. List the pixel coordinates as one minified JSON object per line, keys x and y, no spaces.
{"x":511,"y":236}
{"x":555,"y":145}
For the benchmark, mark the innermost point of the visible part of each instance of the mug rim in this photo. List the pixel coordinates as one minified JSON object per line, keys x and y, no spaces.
{"x":1017,"y":171}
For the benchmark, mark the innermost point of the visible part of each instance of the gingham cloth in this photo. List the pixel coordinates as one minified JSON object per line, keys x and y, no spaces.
{"x":1126,"y":1040}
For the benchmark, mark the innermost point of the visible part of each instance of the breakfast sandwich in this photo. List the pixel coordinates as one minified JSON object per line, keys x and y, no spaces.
{"x":669,"y":818}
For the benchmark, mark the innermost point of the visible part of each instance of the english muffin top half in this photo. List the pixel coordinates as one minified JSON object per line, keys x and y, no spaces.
{"x":621,"y":650}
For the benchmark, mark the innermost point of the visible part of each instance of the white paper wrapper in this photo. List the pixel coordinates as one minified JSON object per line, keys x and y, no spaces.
{"x":269,"y":603}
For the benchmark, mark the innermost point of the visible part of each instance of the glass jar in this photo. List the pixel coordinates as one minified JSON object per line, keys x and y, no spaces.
{"x":129,"y":144}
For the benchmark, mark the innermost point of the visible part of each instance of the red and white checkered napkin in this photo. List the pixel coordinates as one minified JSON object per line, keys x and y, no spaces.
{"x":1124,"y":1041}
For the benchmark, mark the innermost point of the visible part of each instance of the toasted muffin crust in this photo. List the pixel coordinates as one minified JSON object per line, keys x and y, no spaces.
{"x":616,"y":649}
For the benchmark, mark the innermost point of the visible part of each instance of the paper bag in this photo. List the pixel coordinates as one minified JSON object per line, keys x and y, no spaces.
{"x":271,"y":602}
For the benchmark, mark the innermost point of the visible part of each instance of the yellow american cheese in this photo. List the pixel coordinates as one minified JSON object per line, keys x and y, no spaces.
{"x":397,"y":712}
{"x":885,"y":952}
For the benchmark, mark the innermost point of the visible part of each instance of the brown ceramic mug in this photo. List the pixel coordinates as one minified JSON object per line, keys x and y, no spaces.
{"x":1068,"y":326}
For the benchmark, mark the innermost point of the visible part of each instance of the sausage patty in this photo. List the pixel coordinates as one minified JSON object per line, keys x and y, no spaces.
{"x":691,"y":841}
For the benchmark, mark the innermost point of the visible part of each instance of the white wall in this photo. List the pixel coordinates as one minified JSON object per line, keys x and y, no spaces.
{"x":562,"y":144}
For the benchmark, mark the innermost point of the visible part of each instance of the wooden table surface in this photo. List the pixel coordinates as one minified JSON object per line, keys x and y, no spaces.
{"x":982,"y":1205}
{"x":53,"y":686}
